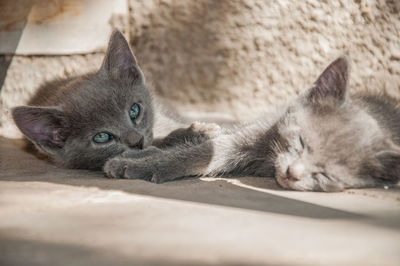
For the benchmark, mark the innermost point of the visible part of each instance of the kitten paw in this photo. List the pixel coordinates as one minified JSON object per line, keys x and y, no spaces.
{"x":115,"y":168}
{"x":211,"y":130}
{"x":129,"y":168}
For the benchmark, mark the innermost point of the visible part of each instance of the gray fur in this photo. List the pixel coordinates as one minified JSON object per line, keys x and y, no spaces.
{"x":322,"y":141}
{"x":63,"y":117}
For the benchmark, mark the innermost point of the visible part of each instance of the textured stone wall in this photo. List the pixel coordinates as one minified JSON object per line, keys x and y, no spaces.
{"x":237,"y":56}
{"x":242,"y":55}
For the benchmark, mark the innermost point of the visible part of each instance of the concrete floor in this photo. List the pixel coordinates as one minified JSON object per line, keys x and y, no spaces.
{"x":52,"y":216}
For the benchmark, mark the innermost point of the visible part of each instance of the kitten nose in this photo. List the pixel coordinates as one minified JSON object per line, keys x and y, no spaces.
{"x":295,"y":171}
{"x":134,"y":140}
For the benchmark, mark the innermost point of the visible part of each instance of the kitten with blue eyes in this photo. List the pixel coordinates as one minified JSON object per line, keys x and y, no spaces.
{"x":325,"y":140}
{"x":83,"y":121}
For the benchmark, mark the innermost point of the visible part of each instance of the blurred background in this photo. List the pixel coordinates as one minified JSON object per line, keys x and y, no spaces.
{"x":235,"y":58}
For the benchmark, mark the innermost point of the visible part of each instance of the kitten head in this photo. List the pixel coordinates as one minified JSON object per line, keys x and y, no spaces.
{"x":326,"y":142}
{"x":93,"y":117}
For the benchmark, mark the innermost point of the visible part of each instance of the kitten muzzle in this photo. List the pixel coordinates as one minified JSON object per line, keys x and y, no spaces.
{"x":135,"y":140}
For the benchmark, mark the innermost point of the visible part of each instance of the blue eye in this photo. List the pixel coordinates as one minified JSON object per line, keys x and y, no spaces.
{"x":102,"y":137}
{"x":134,"y":111}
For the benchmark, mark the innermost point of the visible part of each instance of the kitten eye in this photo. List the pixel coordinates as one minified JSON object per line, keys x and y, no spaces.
{"x":134,"y":111}
{"x":102,"y":137}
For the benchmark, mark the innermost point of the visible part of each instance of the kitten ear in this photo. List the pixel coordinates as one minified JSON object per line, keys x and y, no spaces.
{"x":119,"y":61}
{"x":45,"y":126}
{"x":331,"y":86}
{"x":390,"y":166}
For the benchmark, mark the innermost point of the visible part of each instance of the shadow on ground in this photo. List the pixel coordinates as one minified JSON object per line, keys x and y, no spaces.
{"x":19,"y":165}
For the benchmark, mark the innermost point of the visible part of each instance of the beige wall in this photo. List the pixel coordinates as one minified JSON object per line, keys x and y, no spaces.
{"x":235,"y":55}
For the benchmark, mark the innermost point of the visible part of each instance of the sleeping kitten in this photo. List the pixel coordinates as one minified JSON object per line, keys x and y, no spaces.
{"x":323,"y":141}
{"x":83,"y":121}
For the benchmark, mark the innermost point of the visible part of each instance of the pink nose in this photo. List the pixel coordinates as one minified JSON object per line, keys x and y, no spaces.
{"x":295,"y":171}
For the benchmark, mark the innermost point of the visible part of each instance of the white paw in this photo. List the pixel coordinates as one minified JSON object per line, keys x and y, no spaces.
{"x":210,"y":129}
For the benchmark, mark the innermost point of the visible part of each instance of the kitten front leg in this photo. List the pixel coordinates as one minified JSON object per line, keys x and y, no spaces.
{"x":139,"y":169}
{"x":137,"y":154}
{"x":117,"y":166}
{"x":120,"y":167}
{"x":163,"y":166}
{"x":148,"y":169}
{"x":196,"y":133}
{"x":212,"y":157}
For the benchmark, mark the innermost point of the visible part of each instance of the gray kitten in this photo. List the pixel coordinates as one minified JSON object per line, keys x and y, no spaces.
{"x":322,"y":141}
{"x":83,"y":121}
